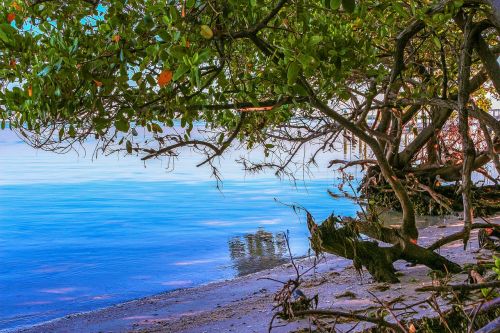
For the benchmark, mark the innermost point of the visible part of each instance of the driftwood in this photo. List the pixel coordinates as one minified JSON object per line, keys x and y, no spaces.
{"x":461,"y":287}
{"x":349,"y":315}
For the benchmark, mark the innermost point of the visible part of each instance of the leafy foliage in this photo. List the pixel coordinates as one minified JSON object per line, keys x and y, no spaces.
{"x":276,"y":74}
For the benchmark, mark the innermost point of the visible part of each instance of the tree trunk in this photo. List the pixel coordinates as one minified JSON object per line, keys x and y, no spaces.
{"x":469,"y":152}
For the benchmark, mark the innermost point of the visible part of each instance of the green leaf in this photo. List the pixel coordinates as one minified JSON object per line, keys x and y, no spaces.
{"x":436,"y":41}
{"x":183,"y":69}
{"x":122,"y":125}
{"x":349,"y":5}
{"x":166,"y":19}
{"x":399,"y":9}
{"x":128,"y":145}
{"x":204,"y":55}
{"x":293,"y":73}
{"x":74,"y":46}
{"x":220,"y":139}
{"x":156,"y":128}
{"x":71,"y":131}
{"x":174,"y":14}
{"x":335,"y":4}
{"x":3,"y":36}
{"x":316,"y":39}
{"x":178,"y":51}
{"x":137,"y":76}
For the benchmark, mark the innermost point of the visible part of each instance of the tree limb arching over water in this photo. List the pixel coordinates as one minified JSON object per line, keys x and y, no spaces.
{"x":411,"y":80}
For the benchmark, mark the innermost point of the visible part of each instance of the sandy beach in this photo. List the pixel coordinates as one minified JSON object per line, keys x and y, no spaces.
{"x":245,"y":304}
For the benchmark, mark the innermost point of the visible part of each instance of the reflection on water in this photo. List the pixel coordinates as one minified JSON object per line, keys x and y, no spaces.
{"x":392,"y":218}
{"x":262,"y":249}
{"x":78,"y":234}
{"x":257,"y":251}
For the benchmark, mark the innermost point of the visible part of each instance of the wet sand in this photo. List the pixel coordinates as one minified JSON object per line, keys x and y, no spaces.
{"x":245,"y":304}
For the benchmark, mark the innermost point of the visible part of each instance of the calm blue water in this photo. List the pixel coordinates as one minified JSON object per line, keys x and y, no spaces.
{"x":77,"y":234}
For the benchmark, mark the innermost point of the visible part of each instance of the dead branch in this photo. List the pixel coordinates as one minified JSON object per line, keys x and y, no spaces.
{"x":461,"y":287}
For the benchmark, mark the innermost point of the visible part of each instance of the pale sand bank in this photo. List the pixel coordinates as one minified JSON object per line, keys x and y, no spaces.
{"x":244,"y":304}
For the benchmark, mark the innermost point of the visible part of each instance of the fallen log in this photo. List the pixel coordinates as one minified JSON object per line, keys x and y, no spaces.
{"x":344,"y":240}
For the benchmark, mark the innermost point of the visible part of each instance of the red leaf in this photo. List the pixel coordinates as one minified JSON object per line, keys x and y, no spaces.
{"x":11,"y":17}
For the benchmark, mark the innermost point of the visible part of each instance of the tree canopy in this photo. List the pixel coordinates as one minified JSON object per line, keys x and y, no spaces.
{"x":411,"y":79}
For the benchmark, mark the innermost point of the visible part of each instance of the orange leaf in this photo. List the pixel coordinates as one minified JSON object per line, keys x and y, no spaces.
{"x":12,"y":63}
{"x":98,"y":83}
{"x":165,"y":77}
{"x":413,"y":241}
{"x":188,"y":44}
{"x":116,"y":38}
{"x":15,"y":5}
{"x":11,"y":17}
{"x":183,"y":11}
{"x":30,"y":91}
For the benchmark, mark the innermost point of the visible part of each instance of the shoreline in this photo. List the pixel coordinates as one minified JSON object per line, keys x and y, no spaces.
{"x":244,"y":304}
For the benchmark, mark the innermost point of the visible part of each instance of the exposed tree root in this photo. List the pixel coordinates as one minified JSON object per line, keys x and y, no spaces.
{"x":461,"y":287}
{"x":485,"y":199}
{"x":459,"y":235}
